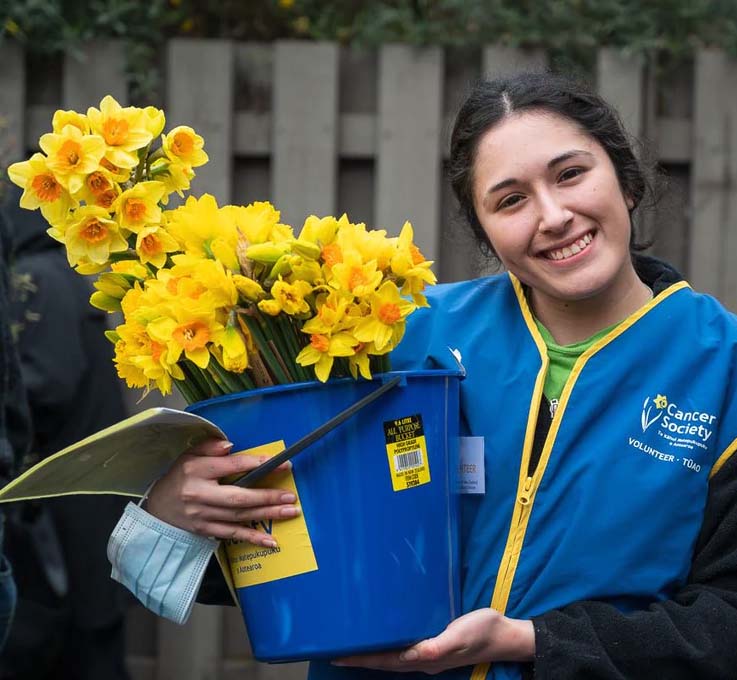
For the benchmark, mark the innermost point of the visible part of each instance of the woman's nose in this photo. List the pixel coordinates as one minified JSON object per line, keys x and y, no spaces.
{"x":554,"y":216}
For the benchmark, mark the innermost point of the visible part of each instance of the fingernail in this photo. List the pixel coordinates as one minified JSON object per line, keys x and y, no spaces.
{"x":409,"y":655}
{"x":290,"y":512}
{"x":288,"y":498}
{"x":269,"y":543}
{"x":226,"y":445}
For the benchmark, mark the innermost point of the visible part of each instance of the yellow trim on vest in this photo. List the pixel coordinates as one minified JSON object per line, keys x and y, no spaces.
{"x":527,"y":486}
{"x":732,"y":448}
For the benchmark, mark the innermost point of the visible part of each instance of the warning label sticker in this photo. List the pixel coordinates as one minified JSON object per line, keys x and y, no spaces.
{"x":407,"y":452}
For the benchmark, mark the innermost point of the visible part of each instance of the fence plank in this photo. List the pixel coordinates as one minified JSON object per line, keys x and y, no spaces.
{"x":409,"y":123}
{"x":200,"y":94}
{"x":499,"y":61}
{"x":12,"y":103}
{"x":620,"y":80}
{"x":100,"y":70}
{"x":305,"y":130}
{"x":708,"y":176}
{"x":193,"y":651}
{"x":728,"y":287}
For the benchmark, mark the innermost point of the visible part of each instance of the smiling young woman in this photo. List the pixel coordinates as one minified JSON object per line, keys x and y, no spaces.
{"x":604,"y":544}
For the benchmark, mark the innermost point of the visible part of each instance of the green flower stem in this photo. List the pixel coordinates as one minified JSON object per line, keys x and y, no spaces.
{"x":185,"y":389}
{"x":245,"y":380}
{"x":229,"y":380}
{"x":290,"y":334}
{"x":208,"y":388}
{"x":197,"y":391}
{"x":270,"y":328}
{"x":266,"y":354}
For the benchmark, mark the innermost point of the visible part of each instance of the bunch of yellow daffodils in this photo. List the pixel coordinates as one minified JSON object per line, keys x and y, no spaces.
{"x":215,"y":299}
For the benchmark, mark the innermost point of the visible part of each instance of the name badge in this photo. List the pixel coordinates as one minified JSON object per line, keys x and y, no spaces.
{"x":471,"y":477}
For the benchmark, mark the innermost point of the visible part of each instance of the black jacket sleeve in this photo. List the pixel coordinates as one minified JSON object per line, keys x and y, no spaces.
{"x":693,"y":635}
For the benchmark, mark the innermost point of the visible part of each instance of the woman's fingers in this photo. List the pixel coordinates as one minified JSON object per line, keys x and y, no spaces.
{"x":235,"y":532}
{"x":211,"y":447}
{"x":242,"y":515}
{"x":217,"y":466}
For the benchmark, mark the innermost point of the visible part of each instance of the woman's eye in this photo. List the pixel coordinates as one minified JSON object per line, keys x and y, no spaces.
{"x":509,"y":201}
{"x":570,"y":173}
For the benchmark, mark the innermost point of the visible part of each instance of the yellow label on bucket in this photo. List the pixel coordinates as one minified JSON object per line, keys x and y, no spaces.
{"x":407,"y":451}
{"x":253,"y":564}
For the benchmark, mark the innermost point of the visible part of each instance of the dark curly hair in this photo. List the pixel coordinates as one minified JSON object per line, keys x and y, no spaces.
{"x":491,"y":101}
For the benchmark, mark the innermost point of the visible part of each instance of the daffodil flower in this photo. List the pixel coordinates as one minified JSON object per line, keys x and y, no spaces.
{"x":72,"y":156}
{"x":153,"y":244}
{"x":323,"y":349}
{"x":138,"y":206}
{"x":123,"y":130}
{"x":92,"y":235}
{"x":184,"y":145}
{"x":41,"y":189}
{"x":388,"y":311}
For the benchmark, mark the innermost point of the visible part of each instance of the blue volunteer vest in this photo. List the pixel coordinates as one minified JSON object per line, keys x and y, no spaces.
{"x":613,"y":510}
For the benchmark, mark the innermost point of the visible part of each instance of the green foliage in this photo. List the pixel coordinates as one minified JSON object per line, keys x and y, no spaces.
{"x":569,"y":29}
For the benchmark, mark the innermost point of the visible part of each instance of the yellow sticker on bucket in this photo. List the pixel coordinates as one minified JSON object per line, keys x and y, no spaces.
{"x":407,"y":451}
{"x":253,"y":564}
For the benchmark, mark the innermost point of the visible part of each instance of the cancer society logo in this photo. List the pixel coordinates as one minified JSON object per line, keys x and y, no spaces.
{"x":652,"y":410}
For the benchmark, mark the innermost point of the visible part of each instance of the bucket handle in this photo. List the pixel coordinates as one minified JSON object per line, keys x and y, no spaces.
{"x":270,"y":465}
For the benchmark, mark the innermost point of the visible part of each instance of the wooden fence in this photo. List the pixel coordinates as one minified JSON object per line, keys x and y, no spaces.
{"x":322,"y":129}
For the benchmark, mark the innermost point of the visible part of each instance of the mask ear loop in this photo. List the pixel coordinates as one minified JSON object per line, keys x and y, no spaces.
{"x":146,"y":494}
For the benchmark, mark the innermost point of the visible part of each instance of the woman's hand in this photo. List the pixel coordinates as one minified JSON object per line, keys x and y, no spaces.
{"x":190,"y":497}
{"x":480,"y":636}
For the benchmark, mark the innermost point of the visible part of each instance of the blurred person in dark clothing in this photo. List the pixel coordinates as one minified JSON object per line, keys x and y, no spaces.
{"x":14,"y":428}
{"x":70,"y":614}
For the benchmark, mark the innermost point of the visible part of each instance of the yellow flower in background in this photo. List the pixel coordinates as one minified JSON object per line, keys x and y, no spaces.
{"x":259,"y":222}
{"x":63,"y":118}
{"x":248,"y":288}
{"x":321,"y":230}
{"x":117,"y":174}
{"x":323,"y":349}
{"x":154,"y":120}
{"x":175,"y":177}
{"x":388,"y":311}
{"x":331,"y":314}
{"x":131,"y":268}
{"x":123,"y":130}
{"x":41,"y":189}
{"x":99,"y":189}
{"x":92,"y":235}
{"x":231,"y":349}
{"x":210,"y":275}
{"x":205,"y":230}
{"x":291,"y":296}
{"x":353,"y":275}
{"x":153,"y":244}
{"x":184,"y":145}
{"x":138,"y":206}
{"x":72,"y":156}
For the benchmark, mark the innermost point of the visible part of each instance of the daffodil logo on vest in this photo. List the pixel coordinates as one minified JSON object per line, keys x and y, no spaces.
{"x":680,"y":427}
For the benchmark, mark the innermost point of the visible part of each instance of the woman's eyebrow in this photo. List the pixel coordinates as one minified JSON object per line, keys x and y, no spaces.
{"x":567,"y":156}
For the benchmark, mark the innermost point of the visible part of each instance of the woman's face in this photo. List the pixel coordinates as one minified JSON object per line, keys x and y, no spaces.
{"x":548,"y":198}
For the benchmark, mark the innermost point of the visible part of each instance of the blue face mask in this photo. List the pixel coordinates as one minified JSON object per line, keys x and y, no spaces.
{"x":161,"y":565}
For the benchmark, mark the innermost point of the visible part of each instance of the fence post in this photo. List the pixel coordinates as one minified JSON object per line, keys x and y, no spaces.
{"x":408,"y":154}
{"x":620,"y":80}
{"x":199,"y":89}
{"x":728,"y":293}
{"x":100,"y":70}
{"x":708,"y":171}
{"x":12,"y":102}
{"x":305,"y":129}
{"x":498,"y":60}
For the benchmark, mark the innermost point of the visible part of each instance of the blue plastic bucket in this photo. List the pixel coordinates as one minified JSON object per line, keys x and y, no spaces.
{"x":387,"y":560}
